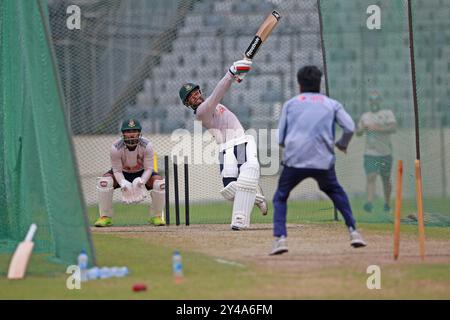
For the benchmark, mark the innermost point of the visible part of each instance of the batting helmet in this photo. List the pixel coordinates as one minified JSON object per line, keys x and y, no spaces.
{"x":186,"y":90}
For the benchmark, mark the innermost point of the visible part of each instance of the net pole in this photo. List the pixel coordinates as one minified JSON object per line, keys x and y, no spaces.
{"x":325,"y":72}
{"x":413,"y":74}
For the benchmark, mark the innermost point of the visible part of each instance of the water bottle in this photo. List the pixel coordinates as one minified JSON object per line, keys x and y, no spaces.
{"x":93,"y":273}
{"x":177,"y":267}
{"x":105,"y":273}
{"x":83,"y":265}
{"x":122,"y":272}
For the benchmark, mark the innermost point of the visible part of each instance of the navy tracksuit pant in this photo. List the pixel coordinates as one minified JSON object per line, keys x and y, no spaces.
{"x":328,"y":183}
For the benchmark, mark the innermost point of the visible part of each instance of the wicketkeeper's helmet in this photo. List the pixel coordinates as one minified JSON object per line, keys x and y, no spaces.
{"x":186,"y":90}
{"x":130,"y":124}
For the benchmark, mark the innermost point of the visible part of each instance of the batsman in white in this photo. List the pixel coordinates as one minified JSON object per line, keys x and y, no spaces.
{"x":239,"y":165}
{"x":132,"y":172}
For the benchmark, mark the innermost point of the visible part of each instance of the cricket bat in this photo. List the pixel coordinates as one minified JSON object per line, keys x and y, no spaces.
{"x":19,"y":261}
{"x":262,"y":34}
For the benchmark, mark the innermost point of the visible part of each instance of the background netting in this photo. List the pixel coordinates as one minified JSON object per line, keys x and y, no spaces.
{"x":38,"y":176}
{"x":130,"y":58}
{"x":361,"y":60}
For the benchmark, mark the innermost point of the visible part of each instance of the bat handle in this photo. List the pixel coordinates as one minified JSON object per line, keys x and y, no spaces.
{"x":31,"y":232}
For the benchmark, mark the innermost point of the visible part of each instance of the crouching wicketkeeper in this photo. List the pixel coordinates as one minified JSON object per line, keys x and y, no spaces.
{"x":132,"y":172}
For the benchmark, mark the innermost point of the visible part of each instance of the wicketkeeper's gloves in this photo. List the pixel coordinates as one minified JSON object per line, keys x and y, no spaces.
{"x":127,"y":191}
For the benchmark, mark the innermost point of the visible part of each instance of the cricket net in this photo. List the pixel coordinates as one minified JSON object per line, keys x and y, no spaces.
{"x":38,"y":173}
{"x":130,"y":58}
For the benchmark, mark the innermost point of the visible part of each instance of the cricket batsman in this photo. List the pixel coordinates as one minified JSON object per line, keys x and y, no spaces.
{"x":239,"y":165}
{"x":132,"y":172}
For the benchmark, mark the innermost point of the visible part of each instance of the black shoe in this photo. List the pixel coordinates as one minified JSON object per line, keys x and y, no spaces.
{"x":387,"y":208}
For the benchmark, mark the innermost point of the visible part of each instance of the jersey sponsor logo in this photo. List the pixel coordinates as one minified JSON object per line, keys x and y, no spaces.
{"x":103,"y":184}
{"x":312,"y":98}
{"x":221,"y":109}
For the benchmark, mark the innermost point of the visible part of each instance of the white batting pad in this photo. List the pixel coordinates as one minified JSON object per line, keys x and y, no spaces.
{"x":158,"y":195}
{"x":245,"y":195}
{"x":105,"y":192}
{"x":229,"y":191}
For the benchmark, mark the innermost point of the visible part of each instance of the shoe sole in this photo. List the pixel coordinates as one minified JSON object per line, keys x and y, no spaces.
{"x":279,"y":251}
{"x":358,"y":244}
{"x":101,"y":226}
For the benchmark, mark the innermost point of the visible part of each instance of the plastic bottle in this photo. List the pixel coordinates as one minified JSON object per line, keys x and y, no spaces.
{"x":93,"y":273}
{"x":105,"y":273}
{"x":83,"y":265}
{"x":122,"y":272}
{"x":177,"y":267}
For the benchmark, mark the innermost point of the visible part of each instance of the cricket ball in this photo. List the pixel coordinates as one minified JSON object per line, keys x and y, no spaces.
{"x":137,"y":287}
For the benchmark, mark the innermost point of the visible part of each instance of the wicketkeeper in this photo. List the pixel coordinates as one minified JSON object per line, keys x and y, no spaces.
{"x":132,"y":172}
{"x":239,"y":165}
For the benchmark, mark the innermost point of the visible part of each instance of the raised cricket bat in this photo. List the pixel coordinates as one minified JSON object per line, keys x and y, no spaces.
{"x":262,"y":34}
{"x":19,"y":261}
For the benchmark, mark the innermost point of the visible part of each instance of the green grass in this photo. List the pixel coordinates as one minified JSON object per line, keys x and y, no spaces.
{"x":150,"y":262}
{"x":298,"y":212}
{"x":205,"y":278}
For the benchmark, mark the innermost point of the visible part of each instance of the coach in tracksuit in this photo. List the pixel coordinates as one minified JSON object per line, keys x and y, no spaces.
{"x":307,"y":133}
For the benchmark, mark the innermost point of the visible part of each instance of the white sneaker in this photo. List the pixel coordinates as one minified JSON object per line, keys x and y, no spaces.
{"x":279,"y":246}
{"x":356,"y":240}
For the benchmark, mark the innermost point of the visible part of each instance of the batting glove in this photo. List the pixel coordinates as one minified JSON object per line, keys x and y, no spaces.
{"x":240,"y":68}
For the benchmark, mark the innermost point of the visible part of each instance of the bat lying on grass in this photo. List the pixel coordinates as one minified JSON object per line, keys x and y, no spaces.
{"x":19,"y":261}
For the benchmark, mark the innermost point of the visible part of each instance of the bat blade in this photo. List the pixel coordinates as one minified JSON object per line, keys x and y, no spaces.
{"x":20,"y":258}
{"x":262,"y":34}
{"x":19,"y":261}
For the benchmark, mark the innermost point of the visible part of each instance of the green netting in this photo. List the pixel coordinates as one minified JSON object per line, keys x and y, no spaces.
{"x":121,"y":63}
{"x":432,"y":51}
{"x":39,"y":179}
{"x":361,"y":60}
